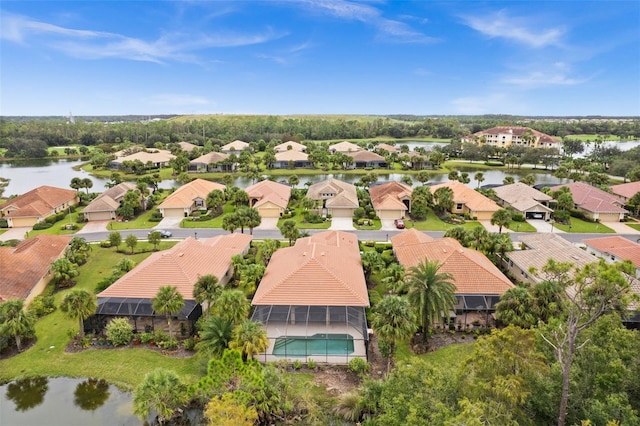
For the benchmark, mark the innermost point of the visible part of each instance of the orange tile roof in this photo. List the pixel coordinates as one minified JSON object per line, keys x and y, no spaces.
{"x":180,"y":266}
{"x":184,"y":196}
{"x":626,"y":190}
{"x":409,"y":237}
{"x":346,"y":194}
{"x":322,"y":270}
{"x":367,"y":156}
{"x":617,"y":246}
{"x":473,"y":272}
{"x":40,"y":201}
{"x":155,"y":156}
{"x":593,"y":199}
{"x":471,"y":198}
{"x":269,"y":191}
{"x":386,"y":196}
{"x":517,"y":131}
{"x":25,"y":265}
{"x":109,"y":200}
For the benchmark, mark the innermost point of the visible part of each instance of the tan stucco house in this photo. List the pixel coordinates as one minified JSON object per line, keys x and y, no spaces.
{"x":36,"y":205}
{"x":338,"y":198}
{"x":467,"y":200}
{"x":188,"y":198}
{"x":269,"y":198}
{"x":528,"y":201}
{"x":391,"y":200}
{"x":105,"y":205}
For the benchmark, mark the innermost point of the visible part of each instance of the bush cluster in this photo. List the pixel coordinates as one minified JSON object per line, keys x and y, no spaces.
{"x":119,"y":331}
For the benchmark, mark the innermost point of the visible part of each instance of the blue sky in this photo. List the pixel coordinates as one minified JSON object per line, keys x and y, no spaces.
{"x":320,"y":57}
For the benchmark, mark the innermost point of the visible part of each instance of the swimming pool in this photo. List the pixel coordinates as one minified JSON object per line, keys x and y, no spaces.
{"x":318,"y":344}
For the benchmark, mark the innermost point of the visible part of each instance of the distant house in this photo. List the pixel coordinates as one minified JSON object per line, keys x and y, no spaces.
{"x":212,"y":162}
{"x":364,"y":159}
{"x":391,"y":200}
{"x":104,"y":206}
{"x":187,"y":147}
{"x":507,"y":136}
{"x":467,"y":200}
{"x":26,"y":268}
{"x":339,"y":199}
{"x":291,"y":159}
{"x":269,"y":198}
{"x":312,"y":301}
{"x":235,"y":147}
{"x":418,"y":160}
{"x":479,"y":283}
{"x":386,"y":147}
{"x":344,"y":147}
{"x":150,"y":158}
{"x":180,"y":266}
{"x":188,"y":198}
{"x":615,"y":249}
{"x":594,"y":203}
{"x":626,"y":190}
{"x":290,"y":146}
{"x":528,"y":201}
{"x":36,"y":205}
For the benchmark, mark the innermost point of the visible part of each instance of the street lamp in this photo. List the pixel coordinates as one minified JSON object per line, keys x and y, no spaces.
{"x":195,"y":234}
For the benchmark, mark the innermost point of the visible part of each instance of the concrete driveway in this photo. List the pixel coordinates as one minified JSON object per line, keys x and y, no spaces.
{"x":493,"y":228}
{"x":544,"y":226}
{"x":15,"y":234}
{"x":95,"y":226}
{"x":387,"y":225}
{"x":341,"y":224}
{"x":168,"y":223}
{"x":268,"y":223}
{"x":621,"y":228}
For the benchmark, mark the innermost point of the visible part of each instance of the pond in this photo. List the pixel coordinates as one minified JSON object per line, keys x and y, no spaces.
{"x":64,"y":401}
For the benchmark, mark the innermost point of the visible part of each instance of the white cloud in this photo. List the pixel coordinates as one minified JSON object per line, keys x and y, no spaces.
{"x":521,"y":30}
{"x":557,"y":74}
{"x":177,"y":100}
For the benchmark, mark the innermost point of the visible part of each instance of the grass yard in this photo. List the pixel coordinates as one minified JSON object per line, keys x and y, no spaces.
{"x":584,"y":227}
{"x":125,"y":367}
{"x":521,"y":227}
{"x":216,"y":222}
{"x":592,"y":138}
{"x":301,"y":224}
{"x":57,"y":228}
{"x":434,"y":223}
{"x":449,"y":356}
{"x":140,"y":222}
{"x":375,"y":225}
{"x":635,"y":226}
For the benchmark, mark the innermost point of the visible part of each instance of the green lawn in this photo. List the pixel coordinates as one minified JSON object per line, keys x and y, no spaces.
{"x":434,"y":223}
{"x":216,"y":222}
{"x":57,"y":228}
{"x":584,"y":227}
{"x":375,"y":225}
{"x":140,"y":222}
{"x":521,"y":227}
{"x":299,"y":218}
{"x":591,"y":137}
{"x":449,"y":356}
{"x":635,"y":226}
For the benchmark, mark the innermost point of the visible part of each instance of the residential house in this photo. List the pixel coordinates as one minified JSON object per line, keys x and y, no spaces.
{"x":391,"y":200}
{"x":26,"y":268}
{"x":235,"y":147}
{"x":269,"y":198}
{"x":479,"y":283}
{"x":291,"y":159}
{"x":528,"y":201}
{"x":594,"y":203}
{"x":366,"y":159}
{"x":507,"y":136}
{"x":36,"y":205}
{"x":180,"y":266}
{"x":626,"y":190}
{"x":312,"y":301}
{"x":150,"y":158}
{"x":615,"y":249}
{"x":104,"y":206}
{"x":469,"y":201}
{"x":187,"y":147}
{"x":188,"y":198}
{"x":290,"y":146}
{"x":386,"y":147}
{"x":344,"y":147}
{"x":339,"y":199}
{"x":212,"y":162}
{"x":417,"y":160}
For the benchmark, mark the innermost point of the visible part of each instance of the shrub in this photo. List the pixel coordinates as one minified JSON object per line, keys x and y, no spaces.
{"x":105,"y":243}
{"x":4,"y":223}
{"x":146,"y":337}
{"x":311,"y":364}
{"x":297,"y":364}
{"x":358,"y":366}
{"x":518,"y":217}
{"x":42,"y":305}
{"x":42,"y":225}
{"x":169,"y":343}
{"x":313,"y":218}
{"x":189,"y":344}
{"x":119,"y":331}
{"x":159,"y":336}
{"x":370,"y":243}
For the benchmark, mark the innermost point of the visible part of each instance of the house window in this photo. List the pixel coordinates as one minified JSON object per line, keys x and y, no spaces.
{"x":199,"y":203}
{"x":459,"y":206}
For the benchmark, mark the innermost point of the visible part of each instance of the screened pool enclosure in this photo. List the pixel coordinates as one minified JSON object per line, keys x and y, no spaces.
{"x":327,"y":334}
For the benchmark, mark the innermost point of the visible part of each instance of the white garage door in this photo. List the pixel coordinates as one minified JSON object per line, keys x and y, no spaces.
{"x":173,"y":213}
{"x":269,"y":212}
{"x":341,"y":212}
{"x":390,"y":214}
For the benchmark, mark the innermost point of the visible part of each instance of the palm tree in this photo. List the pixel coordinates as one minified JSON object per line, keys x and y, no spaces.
{"x":516,"y":307}
{"x":394,"y":276}
{"x":250,"y":338}
{"x":501,"y":218}
{"x":232,"y":305}
{"x":206,"y":289}
{"x":79,"y":304}
{"x":215,"y":335}
{"x":63,"y":271}
{"x":15,"y":321}
{"x":160,"y":391}
{"x":168,"y":301}
{"x":290,"y":230}
{"x":230,"y":223}
{"x":215,"y":200}
{"x":431,"y":293}
{"x":393,"y":320}
{"x":443,"y":199}
{"x":371,"y":262}
{"x":479,"y":177}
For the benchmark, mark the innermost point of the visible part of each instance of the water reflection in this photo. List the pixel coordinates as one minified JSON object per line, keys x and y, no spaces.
{"x":91,"y":394}
{"x":27,"y":393}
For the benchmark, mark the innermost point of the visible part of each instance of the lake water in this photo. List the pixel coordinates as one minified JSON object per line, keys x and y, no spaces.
{"x":65,"y":402}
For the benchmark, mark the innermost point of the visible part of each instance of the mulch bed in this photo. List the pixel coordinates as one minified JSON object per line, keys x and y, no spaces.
{"x":74,"y":346}
{"x":13,"y":350}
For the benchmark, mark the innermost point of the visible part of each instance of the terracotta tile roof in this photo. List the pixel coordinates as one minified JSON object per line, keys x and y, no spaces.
{"x":109,"y":200}
{"x":156,"y":156}
{"x":25,"y":265}
{"x":345,"y":146}
{"x":268,"y":191}
{"x":387,"y":196}
{"x":409,"y":237}
{"x":387,"y":147}
{"x":323,"y":270}
{"x":471,"y":198}
{"x":626,"y":190}
{"x":180,"y":266}
{"x":186,"y":146}
{"x":40,"y":201}
{"x":345,"y":193}
{"x":236,"y":145}
{"x":516,"y":131}
{"x":518,"y":191}
{"x":295,"y":146}
{"x":184,"y":196}
{"x":473,"y":272}
{"x":367,"y":156}
{"x":210,"y":158}
{"x":593,"y":199}
{"x":617,"y":246}
{"x":291,"y":155}
{"x":544,"y":246}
